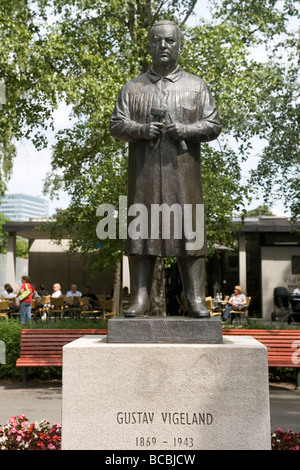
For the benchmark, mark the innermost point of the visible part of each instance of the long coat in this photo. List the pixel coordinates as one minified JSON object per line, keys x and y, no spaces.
{"x":164,"y":171}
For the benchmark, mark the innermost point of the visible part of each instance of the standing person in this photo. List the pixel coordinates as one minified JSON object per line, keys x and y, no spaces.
{"x":25,"y":304}
{"x":237,"y":301}
{"x":165,"y":114}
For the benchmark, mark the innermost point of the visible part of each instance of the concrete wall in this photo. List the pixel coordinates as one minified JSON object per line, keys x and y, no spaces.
{"x":276,"y":271}
{"x":21,"y":270}
{"x":49,"y":263}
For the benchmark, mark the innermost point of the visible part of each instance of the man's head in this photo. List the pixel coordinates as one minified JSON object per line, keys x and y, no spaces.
{"x":165,"y":41}
{"x":73,"y":287}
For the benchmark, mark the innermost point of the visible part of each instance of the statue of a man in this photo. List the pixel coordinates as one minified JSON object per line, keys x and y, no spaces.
{"x":165,"y":114}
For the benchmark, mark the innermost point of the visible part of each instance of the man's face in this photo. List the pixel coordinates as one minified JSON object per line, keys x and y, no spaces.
{"x":73,"y":288}
{"x":165,"y":45}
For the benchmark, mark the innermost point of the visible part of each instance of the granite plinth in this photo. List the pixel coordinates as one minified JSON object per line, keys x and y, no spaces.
{"x":165,"y":330}
{"x":181,"y":397}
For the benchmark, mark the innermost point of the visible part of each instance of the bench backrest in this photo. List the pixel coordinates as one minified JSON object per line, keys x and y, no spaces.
{"x":283,"y":345}
{"x":44,"y":342}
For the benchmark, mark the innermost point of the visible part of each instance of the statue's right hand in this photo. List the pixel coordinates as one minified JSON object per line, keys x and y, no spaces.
{"x":151,"y":130}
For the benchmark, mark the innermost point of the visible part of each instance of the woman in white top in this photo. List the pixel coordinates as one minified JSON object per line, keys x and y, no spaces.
{"x":237,"y":301}
{"x":56,"y":290}
{"x":297,"y":290}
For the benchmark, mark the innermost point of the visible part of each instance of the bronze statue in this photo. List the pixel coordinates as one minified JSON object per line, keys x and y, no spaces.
{"x":165,"y":114}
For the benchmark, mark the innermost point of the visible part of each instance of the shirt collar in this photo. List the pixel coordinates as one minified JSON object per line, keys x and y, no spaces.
{"x":172,"y":77}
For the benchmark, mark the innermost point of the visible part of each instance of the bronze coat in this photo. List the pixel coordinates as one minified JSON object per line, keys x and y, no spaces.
{"x":163,"y":172}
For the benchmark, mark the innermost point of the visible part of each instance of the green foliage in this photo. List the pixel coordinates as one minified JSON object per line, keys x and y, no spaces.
{"x":3,"y":235}
{"x":81,"y":52}
{"x":22,"y":247}
{"x":10,"y":334}
{"x":259,"y":211}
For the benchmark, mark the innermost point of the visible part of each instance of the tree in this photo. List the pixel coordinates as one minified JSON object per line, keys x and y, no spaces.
{"x":82,"y":52}
{"x":277,"y":174}
{"x":259,"y":211}
{"x":26,"y":100}
{"x":3,"y":235}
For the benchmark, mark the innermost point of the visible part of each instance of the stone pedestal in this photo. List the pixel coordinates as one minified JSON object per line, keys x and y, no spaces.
{"x":165,"y":330}
{"x":165,"y":396}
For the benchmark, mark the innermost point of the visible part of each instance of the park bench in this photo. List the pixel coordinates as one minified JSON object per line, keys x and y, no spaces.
{"x":283,"y":346}
{"x":43,"y":347}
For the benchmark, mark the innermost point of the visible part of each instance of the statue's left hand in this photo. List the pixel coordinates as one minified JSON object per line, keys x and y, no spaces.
{"x":179,"y":131}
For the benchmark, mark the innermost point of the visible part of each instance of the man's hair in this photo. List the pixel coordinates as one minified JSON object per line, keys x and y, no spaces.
{"x":164,"y":22}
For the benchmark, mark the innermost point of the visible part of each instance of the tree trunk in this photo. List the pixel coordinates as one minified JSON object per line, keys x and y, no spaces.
{"x":158,"y":295}
{"x":117,"y":288}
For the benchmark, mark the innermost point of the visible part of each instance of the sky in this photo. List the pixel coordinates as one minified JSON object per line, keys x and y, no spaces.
{"x":31,"y":167}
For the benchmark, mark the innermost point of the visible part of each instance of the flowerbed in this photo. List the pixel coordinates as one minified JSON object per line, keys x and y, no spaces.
{"x":285,"y":440}
{"x":19,"y":434}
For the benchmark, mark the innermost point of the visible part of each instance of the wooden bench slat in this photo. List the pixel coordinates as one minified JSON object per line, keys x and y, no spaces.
{"x":42,"y":347}
{"x":60,"y":331}
{"x":281,"y":344}
{"x":39,"y":362}
{"x":38,"y":342}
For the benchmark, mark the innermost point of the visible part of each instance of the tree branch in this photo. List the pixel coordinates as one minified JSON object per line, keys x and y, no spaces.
{"x":189,"y":12}
{"x":155,"y":15}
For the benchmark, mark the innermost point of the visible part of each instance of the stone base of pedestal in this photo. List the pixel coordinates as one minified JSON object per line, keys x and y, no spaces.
{"x":165,"y":396}
{"x":165,"y":330}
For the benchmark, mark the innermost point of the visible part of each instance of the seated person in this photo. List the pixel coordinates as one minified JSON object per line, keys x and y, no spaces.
{"x":8,"y":292}
{"x":92,"y":298}
{"x":237,"y":301}
{"x":42,"y":291}
{"x":73,"y":292}
{"x":296,"y":292}
{"x":11,"y":295}
{"x":125,"y":292}
{"x":295,"y":299}
{"x":56,"y":290}
{"x":36,"y":295}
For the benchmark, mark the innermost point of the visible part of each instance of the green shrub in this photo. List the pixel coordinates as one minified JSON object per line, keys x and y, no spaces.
{"x":10,"y":334}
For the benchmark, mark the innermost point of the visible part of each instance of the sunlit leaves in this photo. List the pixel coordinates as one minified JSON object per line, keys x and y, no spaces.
{"x":81,"y":52}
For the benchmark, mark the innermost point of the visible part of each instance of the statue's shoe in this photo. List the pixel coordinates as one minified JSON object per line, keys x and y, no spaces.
{"x":198,"y":310}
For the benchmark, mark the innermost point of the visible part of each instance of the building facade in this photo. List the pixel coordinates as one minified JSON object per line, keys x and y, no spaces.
{"x":22,"y":207}
{"x":266,"y":256}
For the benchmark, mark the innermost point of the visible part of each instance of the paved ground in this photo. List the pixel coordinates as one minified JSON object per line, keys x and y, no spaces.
{"x":37,"y":401}
{"x":42,"y":400}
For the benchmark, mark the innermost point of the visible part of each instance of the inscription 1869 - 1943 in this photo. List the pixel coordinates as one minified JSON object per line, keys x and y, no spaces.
{"x":168,"y":418}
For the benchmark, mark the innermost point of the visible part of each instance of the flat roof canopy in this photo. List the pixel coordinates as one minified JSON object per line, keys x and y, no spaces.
{"x":265,"y":224}
{"x":30,"y":230}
